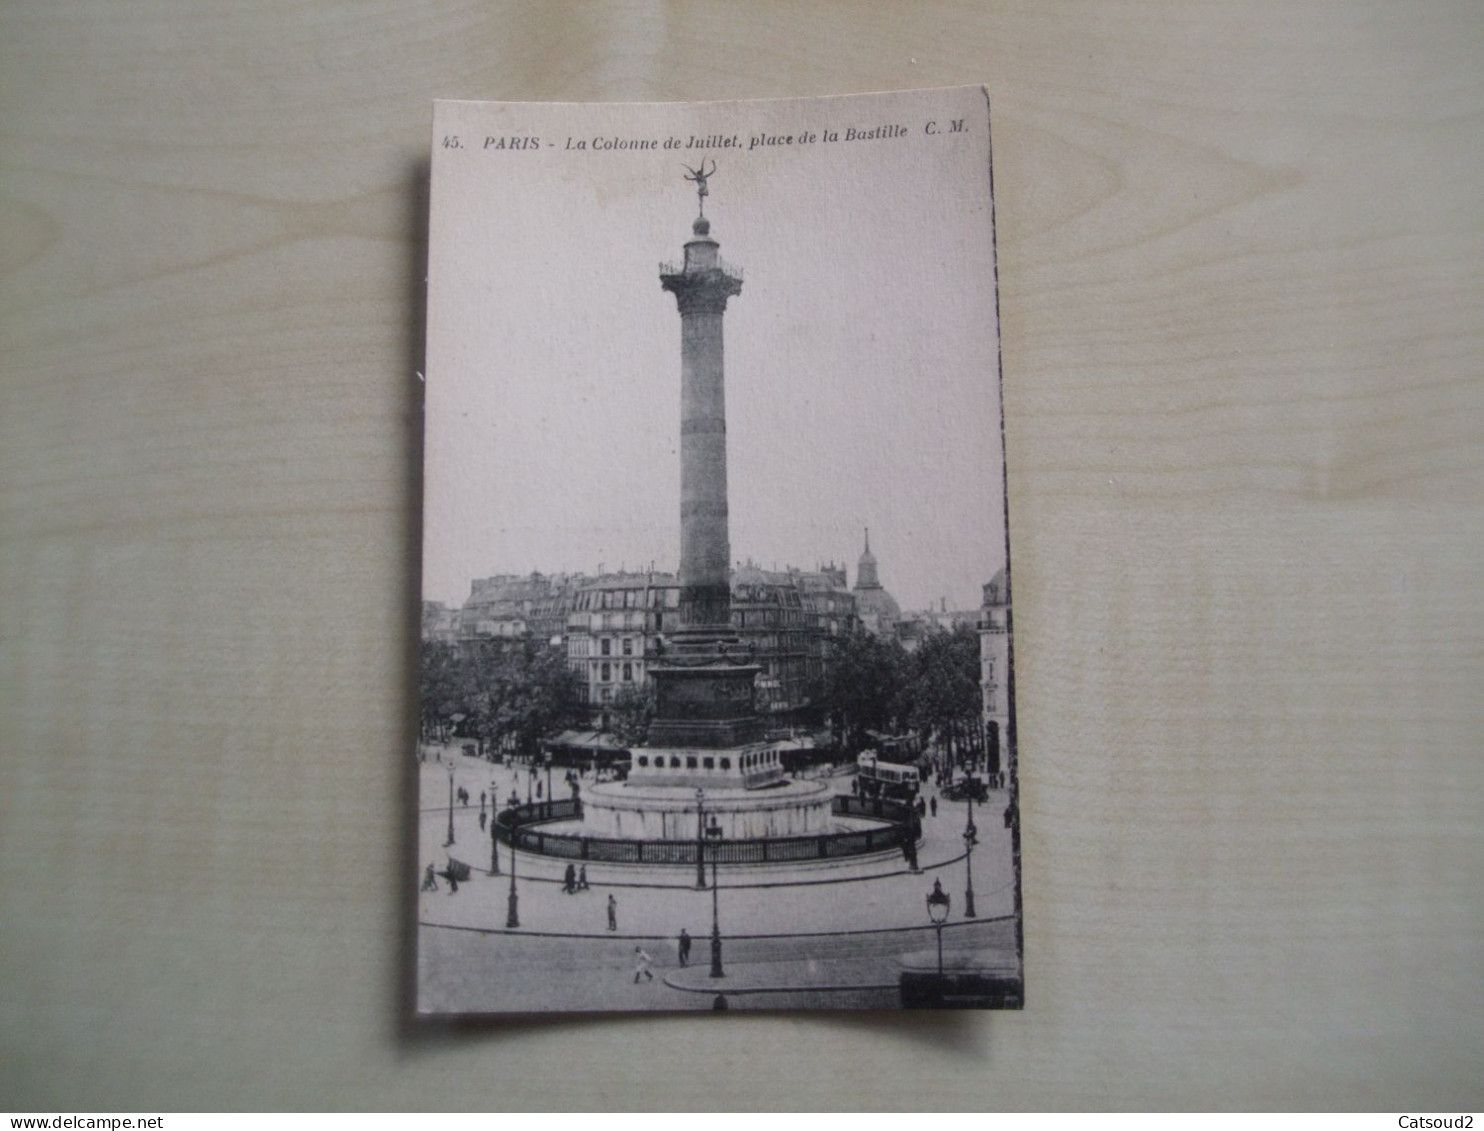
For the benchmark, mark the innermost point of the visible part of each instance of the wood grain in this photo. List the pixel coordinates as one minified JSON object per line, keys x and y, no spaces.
{"x":1240,"y":260}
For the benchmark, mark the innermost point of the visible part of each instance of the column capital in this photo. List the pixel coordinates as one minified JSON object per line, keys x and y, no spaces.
{"x":702,"y":292}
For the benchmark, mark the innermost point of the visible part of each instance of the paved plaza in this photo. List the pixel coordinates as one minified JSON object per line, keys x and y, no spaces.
{"x":824,"y":934}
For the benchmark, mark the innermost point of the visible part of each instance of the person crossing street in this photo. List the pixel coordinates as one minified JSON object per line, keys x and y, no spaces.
{"x":642,"y":962}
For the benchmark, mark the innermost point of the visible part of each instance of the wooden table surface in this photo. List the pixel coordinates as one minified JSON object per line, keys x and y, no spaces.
{"x":1240,"y":259}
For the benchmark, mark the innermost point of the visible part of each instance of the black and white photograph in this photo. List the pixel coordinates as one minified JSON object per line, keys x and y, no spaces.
{"x":716,"y":657}
{"x":525,"y":526}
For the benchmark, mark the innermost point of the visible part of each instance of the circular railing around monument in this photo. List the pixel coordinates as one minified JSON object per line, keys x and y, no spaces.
{"x":518,"y":826}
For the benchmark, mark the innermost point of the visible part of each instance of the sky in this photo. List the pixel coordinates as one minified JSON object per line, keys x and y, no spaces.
{"x":861,"y":356}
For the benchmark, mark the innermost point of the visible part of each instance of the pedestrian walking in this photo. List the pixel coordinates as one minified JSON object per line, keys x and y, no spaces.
{"x":430,"y":880}
{"x":569,"y":881}
{"x":582,"y":878}
{"x":612,"y":913}
{"x":481,"y":799}
{"x":933,"y":804}
{"x":642,"y":963}
{"x":482,"y":818}
{"x":683,"y":950}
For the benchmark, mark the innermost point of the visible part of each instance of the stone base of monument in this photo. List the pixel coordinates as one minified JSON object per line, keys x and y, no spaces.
{"x":644,"y":810}
{"x":667,"y":819}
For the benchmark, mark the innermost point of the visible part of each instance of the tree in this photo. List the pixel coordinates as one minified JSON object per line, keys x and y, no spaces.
{"x":511,"y":692}
{"x":479,"y":690}
{"x":531,"y":693}
{"x":946,"y":694}
{"x":554,"y":694}
{"x":867,"y":684}
{"x":442,"y":693}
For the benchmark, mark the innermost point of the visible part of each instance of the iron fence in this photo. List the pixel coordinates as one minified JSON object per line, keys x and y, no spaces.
{"x":518,"y":826}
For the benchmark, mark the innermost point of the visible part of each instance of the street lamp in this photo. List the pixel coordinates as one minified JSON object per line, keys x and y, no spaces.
{"x":971,"y":838}
{"x":938,"y":903}
{"x":713,"y":831}
{"x":549,"y":797}
{"x":494,"y":837}
{"x":512,"y":914}
{"x":700,"y":840}
{"x":450,"y":805}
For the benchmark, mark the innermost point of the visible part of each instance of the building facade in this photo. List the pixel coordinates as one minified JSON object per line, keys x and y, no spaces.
{"x":768,"y":613}
{"x":994,"y":661}
{"x":440,"y":624}
{"x":830,"y":616}
{"x":512,"y":606}
{"x":612,"y":624}
{"x":613,"y":627}
{"x":914,"y":626}
{"x":790,"y":621}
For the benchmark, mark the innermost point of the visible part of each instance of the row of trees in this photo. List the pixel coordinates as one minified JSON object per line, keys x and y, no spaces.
{"x":876,"y":684}
{"x":512,"y":694}
{"x":508,"y":695}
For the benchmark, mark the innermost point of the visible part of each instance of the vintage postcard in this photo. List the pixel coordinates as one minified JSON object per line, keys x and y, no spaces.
{"x":716,"y":638}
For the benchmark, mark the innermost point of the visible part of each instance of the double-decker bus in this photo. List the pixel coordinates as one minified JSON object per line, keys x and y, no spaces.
{"x":879,"y":778}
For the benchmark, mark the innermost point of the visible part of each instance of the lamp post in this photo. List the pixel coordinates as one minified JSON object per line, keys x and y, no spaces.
{"x":971,"y":838}
{"x":700,"y":840}
{"x":938,"y":904}
{"x":450,"y":806}
{"x":713,"y":832}
{"x":512,"y":912}
{"x":494,"y":837}
{"x":549,"y":797}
